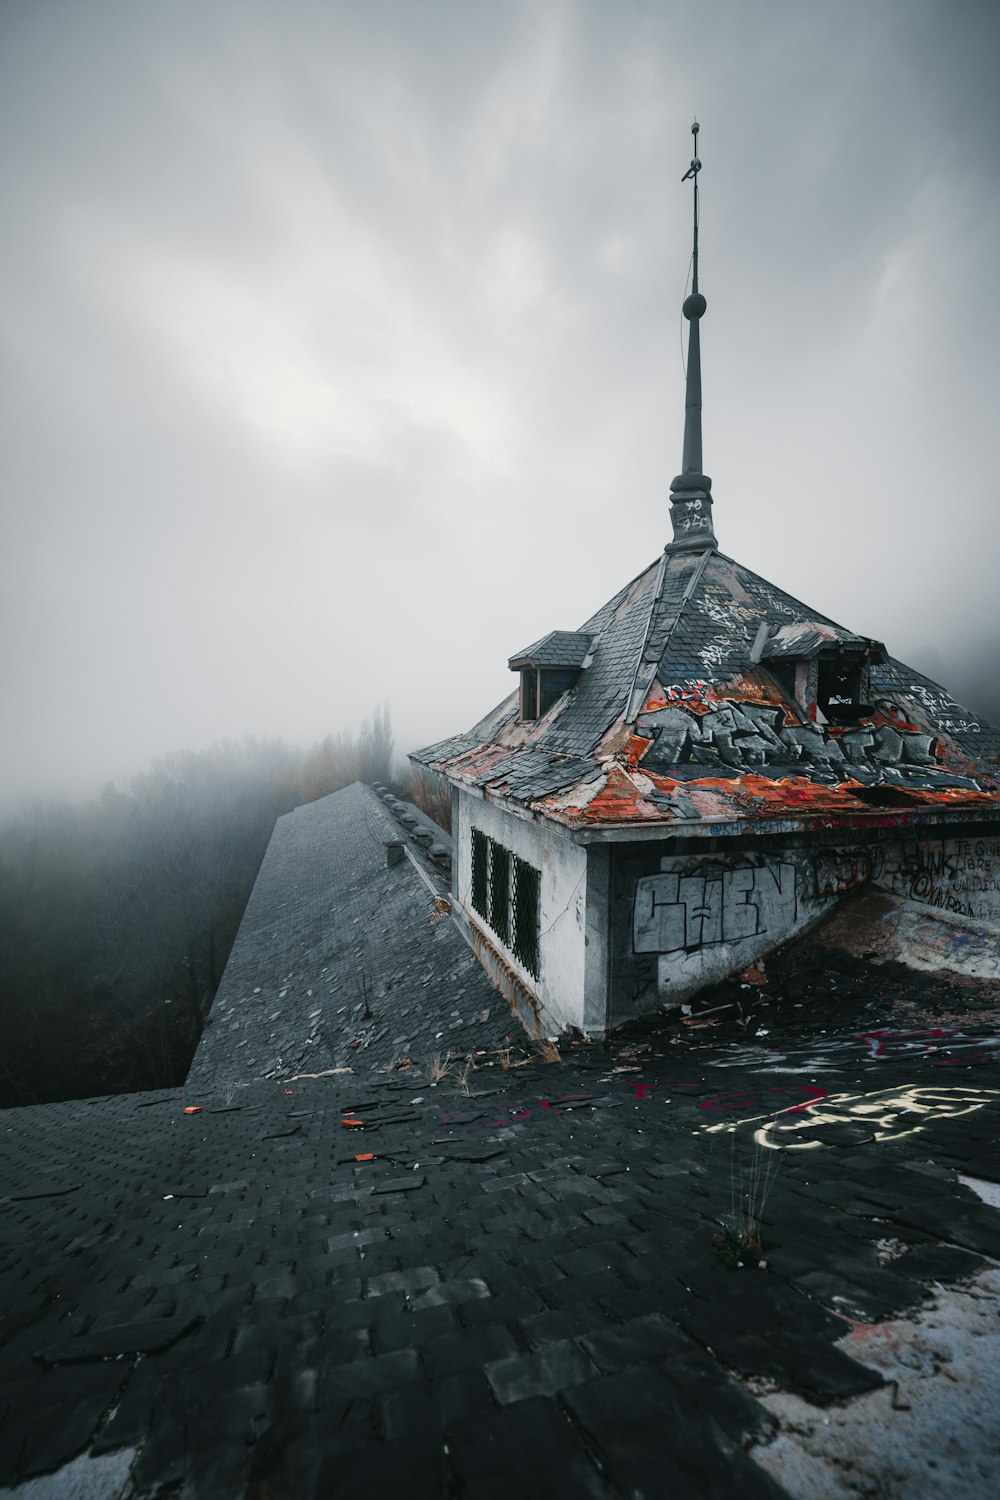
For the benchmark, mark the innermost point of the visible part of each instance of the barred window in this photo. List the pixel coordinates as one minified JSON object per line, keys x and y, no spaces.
{"x":480,"y":872}
{"x":499,"y":918}
{"x":505,"y":893}
{"x":525,"y":915}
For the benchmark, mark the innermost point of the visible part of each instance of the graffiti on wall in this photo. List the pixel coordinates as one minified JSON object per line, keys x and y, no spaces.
{"x":681,"y":913}
{"x":748,"y":735}
{"x":961,"y":876}
{"x":841,"y":870}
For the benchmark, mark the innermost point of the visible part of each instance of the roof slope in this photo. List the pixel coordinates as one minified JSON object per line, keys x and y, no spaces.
{"x":253,"y":1300}
{"x":336,"y":954}
{"x":677,"y":718}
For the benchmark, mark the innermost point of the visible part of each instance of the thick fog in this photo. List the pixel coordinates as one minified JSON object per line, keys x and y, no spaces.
{"x":342,"y":345}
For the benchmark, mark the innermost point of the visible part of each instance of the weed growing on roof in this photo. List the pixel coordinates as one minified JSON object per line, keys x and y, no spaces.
{"x":462,"y":1076}
{"x":740,"y":1241}
{"x":440,"y":1067}
{"x":549,"y":1050}
{"x":503,"y":1054}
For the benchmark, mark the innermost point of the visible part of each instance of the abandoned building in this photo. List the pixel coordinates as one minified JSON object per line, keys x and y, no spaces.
{"x":699,"y":772}
{"x":362,"y":1251}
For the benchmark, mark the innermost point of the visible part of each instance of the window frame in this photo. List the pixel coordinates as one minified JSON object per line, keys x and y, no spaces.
{"x":506,"y":895}
{"x":529,"y":694}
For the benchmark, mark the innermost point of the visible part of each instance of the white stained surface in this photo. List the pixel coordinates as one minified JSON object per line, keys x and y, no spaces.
{"x":85,"y":1478}
{"x":939,"y":1438}
{"x":563,"y":897}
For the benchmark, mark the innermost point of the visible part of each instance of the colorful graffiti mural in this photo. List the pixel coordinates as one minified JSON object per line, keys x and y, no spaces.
{"x":744,"y":735}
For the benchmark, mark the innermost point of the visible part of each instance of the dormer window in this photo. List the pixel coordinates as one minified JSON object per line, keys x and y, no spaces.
{"x":842,"y":686}
{"x":824,"y":673}
{"x":541,"y":686}
{"x":548,"y":669}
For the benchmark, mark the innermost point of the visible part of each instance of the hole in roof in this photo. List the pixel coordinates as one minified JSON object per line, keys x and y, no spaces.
{"x":885,"y":796}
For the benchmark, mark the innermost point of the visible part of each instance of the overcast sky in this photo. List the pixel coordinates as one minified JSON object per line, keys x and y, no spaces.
{"x":342,"y":345}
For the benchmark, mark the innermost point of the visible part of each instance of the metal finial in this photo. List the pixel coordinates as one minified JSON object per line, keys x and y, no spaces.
{"x":695,"y":166}
{"x":691,"y":491}
{"x":692,"y":172}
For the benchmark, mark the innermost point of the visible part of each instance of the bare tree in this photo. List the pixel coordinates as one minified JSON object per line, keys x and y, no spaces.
{"x":376,"y":745}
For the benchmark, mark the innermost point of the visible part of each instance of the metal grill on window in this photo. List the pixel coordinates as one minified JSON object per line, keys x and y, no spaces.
{"x":524,"y":941}
{"x":499,"y":917}
{"x":480,"y":873}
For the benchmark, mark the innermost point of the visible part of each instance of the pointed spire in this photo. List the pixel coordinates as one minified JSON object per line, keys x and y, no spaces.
{"x":691,"y":490}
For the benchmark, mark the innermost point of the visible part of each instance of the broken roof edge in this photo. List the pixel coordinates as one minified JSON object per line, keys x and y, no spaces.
{"x":712,"y":829}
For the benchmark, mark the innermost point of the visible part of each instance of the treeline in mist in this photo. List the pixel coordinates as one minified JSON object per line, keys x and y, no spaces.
{"x":117,"y":917}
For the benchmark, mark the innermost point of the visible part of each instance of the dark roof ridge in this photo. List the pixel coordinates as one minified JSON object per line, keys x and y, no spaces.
{"x":647,"y":662}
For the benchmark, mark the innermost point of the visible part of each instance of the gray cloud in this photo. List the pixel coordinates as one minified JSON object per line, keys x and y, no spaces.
{"x":341,"y":345}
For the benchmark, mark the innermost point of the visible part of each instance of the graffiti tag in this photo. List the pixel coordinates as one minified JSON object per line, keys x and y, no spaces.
{"x":674,"y":912}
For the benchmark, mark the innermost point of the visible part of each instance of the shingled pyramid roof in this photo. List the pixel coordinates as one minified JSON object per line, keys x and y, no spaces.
{"x":687,"y":708}
{"x":678,"y":718}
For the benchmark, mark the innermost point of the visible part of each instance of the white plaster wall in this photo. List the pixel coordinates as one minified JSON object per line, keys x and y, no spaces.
{"x":707,"y":918}
{"x":562,"y":897}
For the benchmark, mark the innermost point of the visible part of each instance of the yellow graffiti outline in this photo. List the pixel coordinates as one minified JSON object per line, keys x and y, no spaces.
{"x":879,"y":1108}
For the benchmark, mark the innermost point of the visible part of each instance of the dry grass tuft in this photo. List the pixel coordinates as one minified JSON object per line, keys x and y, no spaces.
{"x":740,"y":1241}
{"x":462,"y":1076}
{"x":549,"y":1050}
{"x":440,"y":1067}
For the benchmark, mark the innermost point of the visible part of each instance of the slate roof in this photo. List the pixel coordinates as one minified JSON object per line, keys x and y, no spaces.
{"x":331,"y":933}
{"x":676,"y":719}
{"x":560,"y":648}
{"x":354,"y":1286}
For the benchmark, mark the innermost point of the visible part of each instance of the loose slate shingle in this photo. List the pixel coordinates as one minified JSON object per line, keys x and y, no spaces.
{"x":133,"y":1338}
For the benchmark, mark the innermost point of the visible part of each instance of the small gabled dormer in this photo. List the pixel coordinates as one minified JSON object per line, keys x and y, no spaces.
{"x":823,"y":673}
{"x":548,"y":669}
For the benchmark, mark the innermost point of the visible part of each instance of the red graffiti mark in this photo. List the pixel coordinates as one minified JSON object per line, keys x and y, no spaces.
{"x":882,"y":1042}
{"x":511,"y":1119}
{"x":814,"y":1091}
{"x":745,"y":1100}
{"x":755,"y":1098}
{"x":978,"y":1055}
{"x":750,"y":1098}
